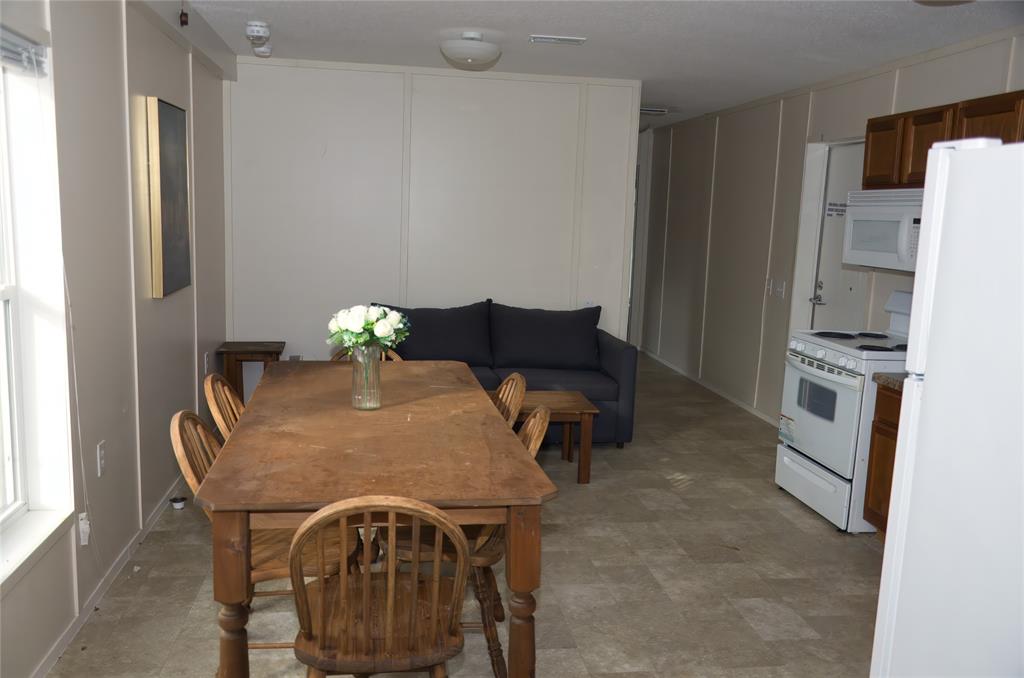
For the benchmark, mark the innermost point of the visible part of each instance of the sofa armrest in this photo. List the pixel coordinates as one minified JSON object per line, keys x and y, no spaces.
{"x":618,"y":361}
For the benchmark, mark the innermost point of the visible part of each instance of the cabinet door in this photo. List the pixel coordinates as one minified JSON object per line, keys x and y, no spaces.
{"x":921,"y":129}
{"x":1000,"y":117}
{"x":882,"y":140}
{"x":878,"y":487}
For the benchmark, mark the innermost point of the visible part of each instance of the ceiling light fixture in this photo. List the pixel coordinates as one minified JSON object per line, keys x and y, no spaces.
{"x":471,"y":52}
{"x":264,"y":50}
{"x":556,"y":40}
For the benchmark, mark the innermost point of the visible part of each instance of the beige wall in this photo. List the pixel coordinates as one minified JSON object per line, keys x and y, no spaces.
{"x":165,"y":328}
{"x":39,"y":611}
{"x":660,"y":161}
{"x":755,"y":209}
{"x":686,"y":241}
{"x":208,"y":202}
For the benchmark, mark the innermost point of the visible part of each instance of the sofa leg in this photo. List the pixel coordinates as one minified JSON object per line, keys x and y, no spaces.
{"x":620,"y":445}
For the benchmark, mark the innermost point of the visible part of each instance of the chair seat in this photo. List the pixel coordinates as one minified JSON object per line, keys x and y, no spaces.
{"x":269,"y":548}
{"x":413,"y":645}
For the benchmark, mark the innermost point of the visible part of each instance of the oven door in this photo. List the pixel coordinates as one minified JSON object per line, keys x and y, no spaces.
{"x":821,"y":412}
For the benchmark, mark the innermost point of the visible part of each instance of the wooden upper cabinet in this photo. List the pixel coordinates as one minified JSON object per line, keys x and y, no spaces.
{"x":896,"y":146}
{"x":921,"y":129}
{"x":882,"y":142}
{"x":1000,"y":117}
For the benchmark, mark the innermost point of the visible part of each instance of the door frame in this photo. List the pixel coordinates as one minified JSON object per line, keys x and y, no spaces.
{"x":808,"y":243}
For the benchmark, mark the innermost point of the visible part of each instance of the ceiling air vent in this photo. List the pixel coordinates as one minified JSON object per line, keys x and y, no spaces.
{"x":651,"y":110}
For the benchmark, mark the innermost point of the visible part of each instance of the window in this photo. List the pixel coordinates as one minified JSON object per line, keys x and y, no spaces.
{"x":35,"y":477}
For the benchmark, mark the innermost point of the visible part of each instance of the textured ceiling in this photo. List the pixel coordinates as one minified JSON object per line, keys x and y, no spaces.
{"x":694,"y":57}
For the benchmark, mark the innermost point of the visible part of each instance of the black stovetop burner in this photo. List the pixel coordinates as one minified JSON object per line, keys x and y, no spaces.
{"x":873,"y":335}
{"x":874,"y":347}
{"x":834,"y":335}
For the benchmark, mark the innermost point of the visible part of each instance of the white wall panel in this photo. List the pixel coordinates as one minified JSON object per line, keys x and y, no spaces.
{"x":317,"y":198}
{"x":493,"y":172}
{"x":969,"y":74}
{"x":841,"y":112}
{"x":606,"y":210}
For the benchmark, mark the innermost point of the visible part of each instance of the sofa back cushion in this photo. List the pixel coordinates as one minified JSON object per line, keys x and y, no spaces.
{"x":462,"y":333}
{"x":531,"y":337}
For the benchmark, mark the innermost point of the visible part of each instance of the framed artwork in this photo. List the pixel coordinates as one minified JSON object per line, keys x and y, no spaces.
{"x":168,"y":197}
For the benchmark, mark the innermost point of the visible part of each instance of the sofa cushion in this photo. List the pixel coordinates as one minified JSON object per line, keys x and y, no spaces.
{"x":594,"y":384}
{"x":462,"y":333}
{"x":486,"y":376}
{"x":530,"y":337}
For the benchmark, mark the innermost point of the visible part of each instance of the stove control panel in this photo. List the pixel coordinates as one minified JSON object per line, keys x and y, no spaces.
{"x":826,"y":355}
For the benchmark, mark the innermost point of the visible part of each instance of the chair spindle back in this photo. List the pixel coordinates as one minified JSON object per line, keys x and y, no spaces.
{"x":195,"y":447}
{"x":533,"y":430}
{"x":389,"y":612}
{"x":509,"y":397}
{"x":224,"y":403}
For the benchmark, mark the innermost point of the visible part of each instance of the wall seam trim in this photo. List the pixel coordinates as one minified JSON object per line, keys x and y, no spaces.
{"x":707,"y":251}
{"x":577,"y":201}
{"x":766,"y":291}
{"x":403,"y":227}
{"x":664,"y":238}
{"x":1009,"y":67}
{"x":629,"y":216}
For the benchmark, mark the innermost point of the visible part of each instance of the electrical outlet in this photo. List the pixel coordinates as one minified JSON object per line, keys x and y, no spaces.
{"x":295,"y":358}
{"x":206,"y":363}
{"x":101,"y":457}
{"x":84,"y":529}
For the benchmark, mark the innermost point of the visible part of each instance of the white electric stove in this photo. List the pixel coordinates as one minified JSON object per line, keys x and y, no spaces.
{"x":828,"y":403}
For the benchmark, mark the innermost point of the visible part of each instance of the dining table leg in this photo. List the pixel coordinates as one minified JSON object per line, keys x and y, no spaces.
{"x":522,"y":572}
{"x":231,"y":590}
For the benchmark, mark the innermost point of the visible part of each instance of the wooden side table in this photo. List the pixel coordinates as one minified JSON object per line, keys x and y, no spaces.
{"x":567,"y":408}
{"x":237,"y":352}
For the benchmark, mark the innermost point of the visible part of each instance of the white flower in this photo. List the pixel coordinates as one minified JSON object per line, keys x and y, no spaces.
{"x":355,"y":320}
{"x":382,"y":328}
{"x":333,"y":325}
{"x":374,"y":313}
{"x":394,"y":318}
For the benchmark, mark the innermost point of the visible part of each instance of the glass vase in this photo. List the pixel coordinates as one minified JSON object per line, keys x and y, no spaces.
{"x":366,"y":377}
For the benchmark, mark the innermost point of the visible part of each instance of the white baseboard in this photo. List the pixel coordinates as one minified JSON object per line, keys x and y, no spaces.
{"x":718,"y":392}
{"x":89,"y":605}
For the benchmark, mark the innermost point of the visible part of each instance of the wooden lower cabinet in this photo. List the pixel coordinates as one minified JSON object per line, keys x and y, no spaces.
{"x":882,"y":458}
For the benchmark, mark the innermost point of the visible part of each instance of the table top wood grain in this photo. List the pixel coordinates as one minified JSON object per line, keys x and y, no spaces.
{"x":438,"y":438}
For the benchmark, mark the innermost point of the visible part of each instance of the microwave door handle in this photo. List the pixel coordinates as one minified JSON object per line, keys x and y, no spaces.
{"x":852,"y":383}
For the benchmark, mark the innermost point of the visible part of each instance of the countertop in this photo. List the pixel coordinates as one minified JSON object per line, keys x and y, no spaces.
{"x":893,"y":380}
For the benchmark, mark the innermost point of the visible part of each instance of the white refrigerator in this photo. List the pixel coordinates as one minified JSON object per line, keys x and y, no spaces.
{"x":951,"y":601}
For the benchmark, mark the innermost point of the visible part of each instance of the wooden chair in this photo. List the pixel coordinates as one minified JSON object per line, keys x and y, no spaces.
{"x":345,"y":355}
{"x":196,"y":448}
{"x":224,"y":403}
{"x":487,"y":548}
{"x":393,"y":619}
{"x":533,"y":430}
{"x":509,"y":397}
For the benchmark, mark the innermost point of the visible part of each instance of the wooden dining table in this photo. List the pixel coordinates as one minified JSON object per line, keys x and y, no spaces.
{"x":300,"y":445}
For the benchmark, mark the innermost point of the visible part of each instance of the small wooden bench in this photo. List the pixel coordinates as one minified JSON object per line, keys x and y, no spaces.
{"x":567,"y":408}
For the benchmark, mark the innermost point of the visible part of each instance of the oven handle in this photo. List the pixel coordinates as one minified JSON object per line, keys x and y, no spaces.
{"x":852,"y":383}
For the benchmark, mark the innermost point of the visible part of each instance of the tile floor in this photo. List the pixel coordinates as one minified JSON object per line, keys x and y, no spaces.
{"x":681,"y":558}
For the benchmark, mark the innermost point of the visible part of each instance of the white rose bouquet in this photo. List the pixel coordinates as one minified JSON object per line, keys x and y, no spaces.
{"x":366,"y":326}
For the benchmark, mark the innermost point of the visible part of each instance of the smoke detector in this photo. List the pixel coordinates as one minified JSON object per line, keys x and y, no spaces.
{"x":264,"y":50}
{"x":258,"y":32}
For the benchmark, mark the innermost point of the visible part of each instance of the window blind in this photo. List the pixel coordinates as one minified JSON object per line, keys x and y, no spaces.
{"x":21,"y":53}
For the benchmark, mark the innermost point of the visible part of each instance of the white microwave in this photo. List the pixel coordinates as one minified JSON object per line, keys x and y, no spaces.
{"x":883,"y":228}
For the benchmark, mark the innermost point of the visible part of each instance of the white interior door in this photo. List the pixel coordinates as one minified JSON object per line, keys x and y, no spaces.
{"x":841,"y":291}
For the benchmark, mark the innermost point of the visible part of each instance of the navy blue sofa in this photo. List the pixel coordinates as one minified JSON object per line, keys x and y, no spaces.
{"x":554,"y":350}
